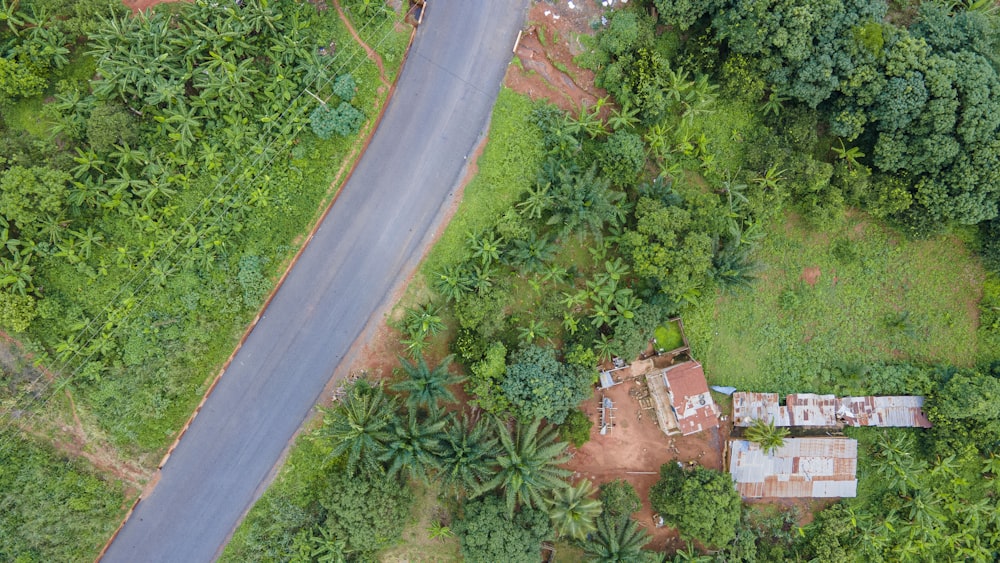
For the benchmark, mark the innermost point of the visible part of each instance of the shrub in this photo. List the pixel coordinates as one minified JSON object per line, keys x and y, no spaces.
{"x":619,"y":498}
{"x":576,"y":428}
{"x":344,"y":87}
{"x":344,"y":120}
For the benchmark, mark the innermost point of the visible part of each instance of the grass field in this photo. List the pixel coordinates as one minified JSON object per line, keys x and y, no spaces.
{"x":852,"y":295}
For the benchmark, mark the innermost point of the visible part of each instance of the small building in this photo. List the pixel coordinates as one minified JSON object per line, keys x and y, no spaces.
{"x":683,"y":403}
{"x":801,"y":468}
{"x":811,"y":410}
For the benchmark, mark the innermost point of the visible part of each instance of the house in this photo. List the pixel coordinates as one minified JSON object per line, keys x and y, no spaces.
{"x":683,"y":403}
{"x":801,"y":468}
{"x":811,"y":410}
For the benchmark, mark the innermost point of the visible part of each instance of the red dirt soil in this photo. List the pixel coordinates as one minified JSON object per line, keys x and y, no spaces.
{"x":635,"y":449}
{"x":540,"y":79}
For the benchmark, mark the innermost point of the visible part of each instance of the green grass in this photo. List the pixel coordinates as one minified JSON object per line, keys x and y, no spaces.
{"x":26,"y":115}
{"x":507,"y":169}
{"x":877,"y":298}
{"x":668,"y":337}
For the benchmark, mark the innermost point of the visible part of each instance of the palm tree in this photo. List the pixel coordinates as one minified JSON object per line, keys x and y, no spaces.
{"x":733,"y":265}
{"x":426,"y":387}
{"x":467,"y":453}
{"x":359,"y":427}
{"x":851,"y":155}
{"x":573,"y":511}
{"x":423,"y":321}
{"x":527,"y":466}
{"x":774,"y":104}
{"x":764,"y":433}
{"x":415,"y":444}
{"x":619,"y":539}
{"x":537,"y":201}
{"x":452,"y":282}
{"x":486,"y":247}
{"x":533,"y":252}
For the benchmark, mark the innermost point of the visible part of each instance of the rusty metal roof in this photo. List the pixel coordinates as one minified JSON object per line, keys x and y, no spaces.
{"x":905,"y":411}
{"x":808,"y":409}
{"x":802,"y":467}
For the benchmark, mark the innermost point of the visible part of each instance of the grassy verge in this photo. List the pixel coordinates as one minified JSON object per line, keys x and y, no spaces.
{"x":507,"y":168}
{"x":855,"y":294}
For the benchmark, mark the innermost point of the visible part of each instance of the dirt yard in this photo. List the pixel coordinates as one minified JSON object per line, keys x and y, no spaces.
{"x":635,"y":449}
{"x":544,"y":69}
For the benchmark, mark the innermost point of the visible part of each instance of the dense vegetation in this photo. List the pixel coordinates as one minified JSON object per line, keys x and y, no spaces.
{"x":156,"y":172}
{"x":52,"y":508}
{"x":147,"y":204}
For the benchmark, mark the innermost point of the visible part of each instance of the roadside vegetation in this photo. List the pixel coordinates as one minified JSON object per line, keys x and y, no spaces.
{"x":790,"y":210}
{"x":158,"y":172}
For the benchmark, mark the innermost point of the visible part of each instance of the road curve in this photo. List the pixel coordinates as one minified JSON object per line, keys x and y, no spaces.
{"x":368,"y":244}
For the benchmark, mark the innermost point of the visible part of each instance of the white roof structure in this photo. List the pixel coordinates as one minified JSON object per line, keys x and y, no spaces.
{"x":808,"y":409}
{"x":802,"y":467}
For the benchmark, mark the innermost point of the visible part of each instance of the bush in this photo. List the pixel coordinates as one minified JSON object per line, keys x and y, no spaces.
{"x":488,"y":535}
{"x":576,"y":428}
{"x":701,"y":503}
{"x":344,"y":120}
{"x":619,"y":498}
{"x":344,"y":87}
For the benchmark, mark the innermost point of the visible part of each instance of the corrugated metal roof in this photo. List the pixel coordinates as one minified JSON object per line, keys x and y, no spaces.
{"x":802,"y":467}
{"x":808,"y":409}
{"x":904,"y":411}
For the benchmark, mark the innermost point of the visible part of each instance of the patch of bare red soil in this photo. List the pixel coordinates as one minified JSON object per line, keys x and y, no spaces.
{"x":635,"y":448}
{"x":546,"y":52}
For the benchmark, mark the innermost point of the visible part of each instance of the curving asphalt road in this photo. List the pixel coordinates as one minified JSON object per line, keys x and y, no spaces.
{"x":369,"y":243}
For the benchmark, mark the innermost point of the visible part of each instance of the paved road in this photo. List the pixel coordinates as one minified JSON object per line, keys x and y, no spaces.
{"x":372,"y":239}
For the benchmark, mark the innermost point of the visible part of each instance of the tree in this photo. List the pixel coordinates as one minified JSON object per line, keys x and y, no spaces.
{"x":527,"y":468}
{"x":28,"y":196}
{"x":766,"y":435}
{"x":537,"y":385}
{"x":700,"y":502}
{"x":16,"y":311}
{"x":367,"y":510}
{"x":426,"y":387}
{"x":359,"y":427}
{"x":414,"y":444}
{"x":618,"y":539}
{"x":576,"y":428}
{"x":622,"y":158}
{"x":619,"y":498}
{"x":344,"y":87}
{"x":573,"y":511}
{"x":670,"y":247}
{"x":489,"y":534}
{"x":468,"y":449}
